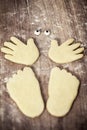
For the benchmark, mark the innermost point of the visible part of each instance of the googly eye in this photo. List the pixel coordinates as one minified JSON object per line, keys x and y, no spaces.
{"x":37,"y":32}
{"x":47,"y":32}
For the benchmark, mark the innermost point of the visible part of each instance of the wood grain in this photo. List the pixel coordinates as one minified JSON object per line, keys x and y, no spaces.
{"x":65,"y":19}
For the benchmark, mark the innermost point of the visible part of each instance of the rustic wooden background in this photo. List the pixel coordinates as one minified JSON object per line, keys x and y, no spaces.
{"x":65,"y":19}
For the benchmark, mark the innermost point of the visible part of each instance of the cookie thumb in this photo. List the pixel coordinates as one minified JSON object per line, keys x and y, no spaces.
{"x":54,"y":43}
{"x":30,"y":41}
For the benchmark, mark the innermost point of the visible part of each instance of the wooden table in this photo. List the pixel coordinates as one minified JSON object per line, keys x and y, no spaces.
{"x":65,"y":19}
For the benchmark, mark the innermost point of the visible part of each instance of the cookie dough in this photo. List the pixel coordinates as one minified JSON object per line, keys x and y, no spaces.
{"x":66,"y":52}
{"x":62,"y":90}
{"x":18,"y":52}
{"x":24,"y":89}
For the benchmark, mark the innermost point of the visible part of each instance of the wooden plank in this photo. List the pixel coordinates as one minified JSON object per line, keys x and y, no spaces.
{"x":65,"y":19}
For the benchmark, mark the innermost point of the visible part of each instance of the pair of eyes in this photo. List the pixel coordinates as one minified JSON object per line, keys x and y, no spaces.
{"x":38,"y":32}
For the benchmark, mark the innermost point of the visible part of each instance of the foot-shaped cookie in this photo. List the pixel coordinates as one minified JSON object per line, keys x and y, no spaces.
{"x":16,"y":51}
{"x":66,"y":52}
{"x":62,"y":90}
{"x":24,"y":89}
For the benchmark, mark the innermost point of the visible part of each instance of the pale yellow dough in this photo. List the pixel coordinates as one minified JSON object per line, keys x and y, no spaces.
{"x":18,"y":52}
{"x":24,"y":89}
{"x":66,"y":52}
{"x":62,"y":90}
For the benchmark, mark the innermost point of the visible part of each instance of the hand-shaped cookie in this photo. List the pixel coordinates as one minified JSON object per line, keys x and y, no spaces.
{"x":16,"y":51}
{"x":66,"y":52}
